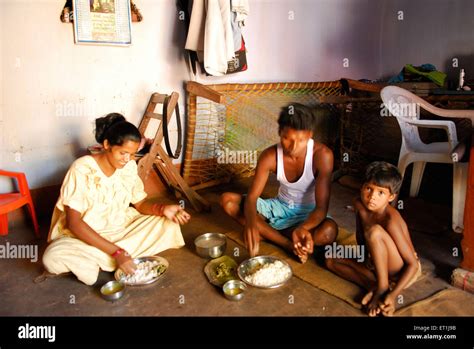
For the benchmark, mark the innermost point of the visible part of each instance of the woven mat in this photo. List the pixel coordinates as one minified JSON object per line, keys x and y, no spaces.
{"x":448,"y":302}
{"x":349,"y":292}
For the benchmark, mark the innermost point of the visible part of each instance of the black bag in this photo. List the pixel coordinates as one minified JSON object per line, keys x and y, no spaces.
{"x":239,"y":62}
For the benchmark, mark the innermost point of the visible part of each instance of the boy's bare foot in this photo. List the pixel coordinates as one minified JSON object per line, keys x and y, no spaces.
{"x":387,"y":307}
{"x":367,"y":297}
{"x":373,"y":308}
{"x":387,"y":311}
{"x":372,"y":301}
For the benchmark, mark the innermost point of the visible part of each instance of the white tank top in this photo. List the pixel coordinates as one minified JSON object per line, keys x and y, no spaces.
{"x":300,"y":192}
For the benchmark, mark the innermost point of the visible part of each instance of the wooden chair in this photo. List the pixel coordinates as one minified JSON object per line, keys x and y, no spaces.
{"x":157,"y":156}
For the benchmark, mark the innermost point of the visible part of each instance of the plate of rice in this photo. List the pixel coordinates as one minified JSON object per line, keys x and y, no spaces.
{"x":265,"y":272}
{"x":149,"y":270}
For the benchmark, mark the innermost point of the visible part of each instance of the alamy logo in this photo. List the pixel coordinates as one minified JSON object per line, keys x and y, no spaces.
{"x":228,"y":156}
{"x":8,"y":251}
{"x":345,"y":251}
{"x":37,"y":332}
{"x":406,"y":110}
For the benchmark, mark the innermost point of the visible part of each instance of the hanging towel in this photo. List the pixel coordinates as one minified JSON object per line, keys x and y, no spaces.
{"x":195,"y":39}
{"x":241,"y":7}
{"x":218,"y":37}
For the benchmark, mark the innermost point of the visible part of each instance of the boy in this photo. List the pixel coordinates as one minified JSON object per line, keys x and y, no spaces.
{"x":382,"y":231}
{"x":303,"y":168}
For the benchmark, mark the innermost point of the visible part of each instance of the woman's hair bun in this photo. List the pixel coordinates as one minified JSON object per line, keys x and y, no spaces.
{"x":104,"y":123}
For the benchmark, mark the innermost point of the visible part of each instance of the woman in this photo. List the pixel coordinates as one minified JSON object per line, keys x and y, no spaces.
{"x":93,"y":225}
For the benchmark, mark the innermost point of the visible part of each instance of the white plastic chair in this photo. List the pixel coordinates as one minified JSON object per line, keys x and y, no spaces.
{"x":405,"y":106}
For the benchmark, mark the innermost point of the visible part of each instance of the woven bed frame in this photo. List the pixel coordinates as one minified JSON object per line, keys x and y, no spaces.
{"x":242,"y":117}
{"x":238,"y":118}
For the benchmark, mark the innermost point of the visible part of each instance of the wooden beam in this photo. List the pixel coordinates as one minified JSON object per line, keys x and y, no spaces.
{"x":358,"y":85}
{"x":203,"y":91}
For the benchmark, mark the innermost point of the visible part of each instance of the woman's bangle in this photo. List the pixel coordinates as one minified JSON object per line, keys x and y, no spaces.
{"x":118,"y":252}
{"x":158,"y":209}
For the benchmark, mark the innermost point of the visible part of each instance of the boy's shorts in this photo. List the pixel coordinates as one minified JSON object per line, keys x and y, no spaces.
{"x":279,"y":214}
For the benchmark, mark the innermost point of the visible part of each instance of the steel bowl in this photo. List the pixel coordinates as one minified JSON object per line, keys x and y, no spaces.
{"x":112,"y":290}
{"x":234,"y":290}
{"x":251,"y":265}
{"x":210,"y":245}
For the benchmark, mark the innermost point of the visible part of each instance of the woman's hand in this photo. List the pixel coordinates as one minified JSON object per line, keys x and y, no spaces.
{"x":125,"y":262}
{"x":176,"y":213}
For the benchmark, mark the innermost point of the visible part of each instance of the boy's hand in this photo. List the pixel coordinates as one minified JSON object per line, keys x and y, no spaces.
{"x":177,"y":214}
{"x":252,"y":239}
{"x":302,"y":243}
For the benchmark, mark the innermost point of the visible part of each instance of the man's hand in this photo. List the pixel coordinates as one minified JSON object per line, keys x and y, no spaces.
{"x":252,"y":239}
{"x":177,"y":214}
{"x":302,"y":243}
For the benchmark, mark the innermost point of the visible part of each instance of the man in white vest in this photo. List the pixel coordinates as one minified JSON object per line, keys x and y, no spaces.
{"x":303,"y":168}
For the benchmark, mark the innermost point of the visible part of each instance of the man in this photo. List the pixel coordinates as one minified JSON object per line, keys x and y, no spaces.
{"x":303,"y":168}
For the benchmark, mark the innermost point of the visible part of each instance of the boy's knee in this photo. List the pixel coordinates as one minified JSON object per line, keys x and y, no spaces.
{"x":374,"y":233}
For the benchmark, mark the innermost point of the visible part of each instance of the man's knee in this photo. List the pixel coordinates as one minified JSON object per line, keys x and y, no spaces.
{"x":328,"y":232}
{"x":333,"y":230}
{"x":230,"y":202}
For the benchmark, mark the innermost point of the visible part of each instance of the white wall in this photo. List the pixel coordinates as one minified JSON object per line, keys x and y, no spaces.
{"x":431,"y":31}
{"x":52,"y":89}
{"x":307,"y":40}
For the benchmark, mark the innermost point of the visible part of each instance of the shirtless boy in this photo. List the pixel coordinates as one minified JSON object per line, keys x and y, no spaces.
{"x":303,"y":168}
{"x":391,"y":263}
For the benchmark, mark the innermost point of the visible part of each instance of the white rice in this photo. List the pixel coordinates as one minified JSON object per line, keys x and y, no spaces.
{"x":269,"y":275}
{"x":145,"y":271}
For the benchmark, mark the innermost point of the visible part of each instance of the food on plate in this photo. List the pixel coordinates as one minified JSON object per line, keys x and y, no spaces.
{"x":269,"y":274}
{"x":221,"y":270}
{"x":146,"y":271}
{"x":224,"y":270}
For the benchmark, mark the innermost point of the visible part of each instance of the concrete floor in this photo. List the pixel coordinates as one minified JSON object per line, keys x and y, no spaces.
{"x":185,"y":291}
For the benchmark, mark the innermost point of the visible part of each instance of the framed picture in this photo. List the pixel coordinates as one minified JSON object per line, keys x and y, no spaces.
{"x":103,"y":22}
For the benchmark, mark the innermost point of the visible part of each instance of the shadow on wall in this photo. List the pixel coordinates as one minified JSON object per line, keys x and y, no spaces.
{"x":352,"y":40}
